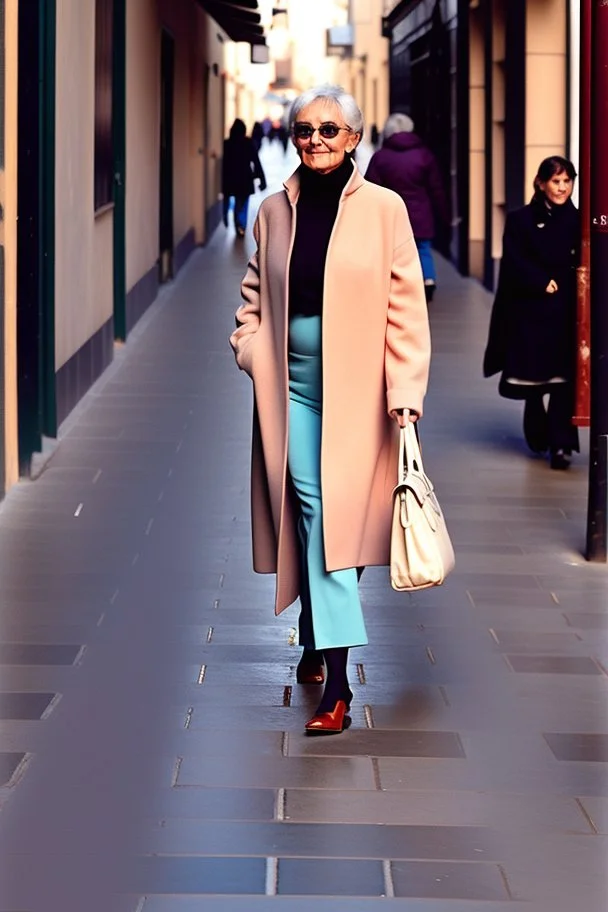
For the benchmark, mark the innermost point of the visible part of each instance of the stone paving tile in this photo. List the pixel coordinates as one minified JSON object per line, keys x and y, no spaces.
{"x":521,"y":618}
{"x":521,"y":642}
{"x":305,"y":840}
{"x":373,"y":743}
{"x":9,"y":765}
{"x":325,"y":904}
{"x":21,"y":706}
{"x":200,"y":875}
{"x":484,"y":596}
{"x":543,"y":664}
{"x":209,"y":742}
{"x":322,"y":877}
{"x":38,"y":654}
{"x":532,"y":869}
{"x":449,"y":881}
{"x":214,"y":804}
{"x":590,"y":748}
{"x":596,"y":810}
{"x":504,"y":813}
{"x":587,"y":620}
{"x":282,"y":772}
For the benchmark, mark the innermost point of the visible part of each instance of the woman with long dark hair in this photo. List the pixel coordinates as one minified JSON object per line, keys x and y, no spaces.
{"x":532,"y":340}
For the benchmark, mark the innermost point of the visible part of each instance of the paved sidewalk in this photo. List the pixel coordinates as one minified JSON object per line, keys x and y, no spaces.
{"x":152,"y":757}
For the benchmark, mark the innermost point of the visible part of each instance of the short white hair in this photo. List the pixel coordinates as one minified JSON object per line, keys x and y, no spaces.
{"x":398,"y":123}
{"x":351,"y":111}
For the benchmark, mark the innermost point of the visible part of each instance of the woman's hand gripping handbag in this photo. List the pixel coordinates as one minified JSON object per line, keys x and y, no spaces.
{"x":421,"y":551}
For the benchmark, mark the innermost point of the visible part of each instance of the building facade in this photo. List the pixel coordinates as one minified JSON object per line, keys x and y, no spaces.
{"x":364,"y":68}
{"x":502,"y":100}
{"x":112,"y":132}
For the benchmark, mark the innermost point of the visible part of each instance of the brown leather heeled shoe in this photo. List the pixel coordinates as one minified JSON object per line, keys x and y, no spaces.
{"x":310,"y":670}
{"x":330,"y":723}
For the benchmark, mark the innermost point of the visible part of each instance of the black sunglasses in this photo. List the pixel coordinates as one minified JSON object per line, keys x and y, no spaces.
{"x":326,"y":130}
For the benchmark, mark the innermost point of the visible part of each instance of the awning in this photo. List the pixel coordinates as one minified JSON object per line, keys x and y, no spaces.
{"x":240,"y":19}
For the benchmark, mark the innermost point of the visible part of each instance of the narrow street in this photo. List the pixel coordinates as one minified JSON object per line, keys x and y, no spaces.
{"x":151,"y":729}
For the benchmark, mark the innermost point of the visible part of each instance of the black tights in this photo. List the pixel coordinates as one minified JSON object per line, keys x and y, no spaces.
{"x":551,"y":428}
{"x":336,"y":686}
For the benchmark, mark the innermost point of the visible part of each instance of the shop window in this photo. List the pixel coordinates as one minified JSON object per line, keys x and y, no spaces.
{"x":104,"y":152}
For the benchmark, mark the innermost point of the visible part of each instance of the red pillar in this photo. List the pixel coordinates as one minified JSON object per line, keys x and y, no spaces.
{"x":598,"y":457}
{"x":583,"y":373}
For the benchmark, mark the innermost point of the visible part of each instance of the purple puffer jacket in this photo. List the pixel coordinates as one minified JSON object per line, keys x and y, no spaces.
{"x":405,"y":165}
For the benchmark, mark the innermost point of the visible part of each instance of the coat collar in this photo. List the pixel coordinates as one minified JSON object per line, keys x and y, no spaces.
{"x":292,"y":184}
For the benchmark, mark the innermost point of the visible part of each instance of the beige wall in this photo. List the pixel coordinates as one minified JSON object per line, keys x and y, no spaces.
{"x":196,"y":48}
{"x":8,"y":237}
{"x":143,"y":138}
{"x":83,"y":242}
{"x":214,"y":111}
{"x":477,"y":149}
{"x":546,"y":82}
{"x":246,"y":85}
{"x":369,"y":68}
{"x":498,"y":126}
{"x":178,"y":16}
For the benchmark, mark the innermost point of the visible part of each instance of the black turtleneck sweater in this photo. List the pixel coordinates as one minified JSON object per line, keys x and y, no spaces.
{"x":317,"y":208}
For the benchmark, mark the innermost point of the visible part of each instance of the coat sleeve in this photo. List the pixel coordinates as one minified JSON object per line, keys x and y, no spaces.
{"x":408,"y":339}
{"x":521,"y":272}
{"x":495,"y":355}
{"x":248,"y":315}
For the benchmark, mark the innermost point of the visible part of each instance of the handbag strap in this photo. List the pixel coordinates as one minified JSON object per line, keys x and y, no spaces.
{"x":410,"y":457}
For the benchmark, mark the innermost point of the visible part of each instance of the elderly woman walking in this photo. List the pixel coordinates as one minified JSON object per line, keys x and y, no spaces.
{"x":334,"y":333}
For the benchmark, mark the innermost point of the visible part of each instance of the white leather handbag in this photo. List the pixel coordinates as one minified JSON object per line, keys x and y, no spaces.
{"x":421,"y":550}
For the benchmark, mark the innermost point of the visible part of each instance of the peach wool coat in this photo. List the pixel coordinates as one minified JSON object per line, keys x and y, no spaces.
{"x":375,"y":357}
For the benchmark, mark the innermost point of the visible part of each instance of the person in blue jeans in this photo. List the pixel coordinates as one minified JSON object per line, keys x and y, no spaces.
{"x":404,"y":164}
{"x":240,"y":167}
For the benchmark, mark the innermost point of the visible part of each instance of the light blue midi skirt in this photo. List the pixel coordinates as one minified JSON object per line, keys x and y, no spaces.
{"x":331,"y":608}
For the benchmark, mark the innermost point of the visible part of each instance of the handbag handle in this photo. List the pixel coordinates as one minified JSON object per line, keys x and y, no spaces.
{"x":410,"y":457}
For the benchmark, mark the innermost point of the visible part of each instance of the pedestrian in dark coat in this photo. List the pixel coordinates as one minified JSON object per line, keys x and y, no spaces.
{"x":532,"y":339}
{"x":240,"y":166}
{"x":257,"y":135}
{"x":404,"y":164}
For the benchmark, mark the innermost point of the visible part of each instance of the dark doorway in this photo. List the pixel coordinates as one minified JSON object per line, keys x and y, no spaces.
{"x":37,"y":412}
{"x":206,"y":147}
{"x":167,"y":78}
{"x":119,"y":140}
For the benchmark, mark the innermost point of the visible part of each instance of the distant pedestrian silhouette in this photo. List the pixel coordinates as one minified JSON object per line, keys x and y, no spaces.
{"x":257,"y":135}
{"x":240,"y":167}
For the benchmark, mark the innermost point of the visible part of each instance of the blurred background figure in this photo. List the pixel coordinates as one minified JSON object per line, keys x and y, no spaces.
{"x":267,"y":128}
{"x":240,"y":167}
{"x":404,"y":164}
{"x":257,"y":135}
{"x":283,"y":136}
{"x":533,"y":328}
